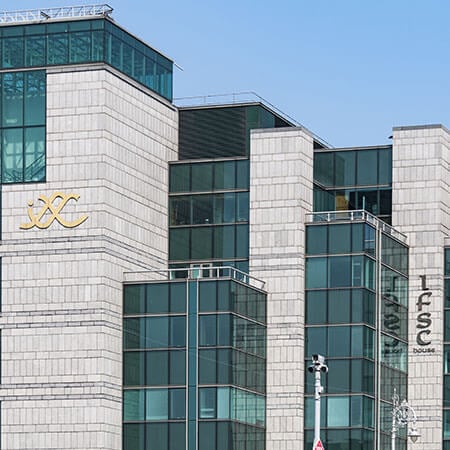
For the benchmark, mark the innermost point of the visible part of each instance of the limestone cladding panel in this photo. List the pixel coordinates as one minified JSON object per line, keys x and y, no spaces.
{"x":281,"y":192}
{"x":420,"y":209}
{"x":61,"y":322}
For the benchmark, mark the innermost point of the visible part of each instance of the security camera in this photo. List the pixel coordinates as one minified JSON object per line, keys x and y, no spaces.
{"x":318,"y":359}
{"x":318,"y":364}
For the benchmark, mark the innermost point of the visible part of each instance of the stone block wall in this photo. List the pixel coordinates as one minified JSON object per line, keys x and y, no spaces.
{"x":420,"y":209}
{"x":281,"y":193}
{"x":108,"y":141}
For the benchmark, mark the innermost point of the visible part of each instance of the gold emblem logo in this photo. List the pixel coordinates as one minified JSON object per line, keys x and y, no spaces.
{"x":54,"y":209}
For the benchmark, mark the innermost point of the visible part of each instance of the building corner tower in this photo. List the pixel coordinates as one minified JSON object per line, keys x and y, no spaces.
{"x":421,"y":210}
{"x":281,"y":194}
{"x":86,"y":137}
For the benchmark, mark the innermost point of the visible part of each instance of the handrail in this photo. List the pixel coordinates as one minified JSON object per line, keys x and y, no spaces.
{"x":353,"y":215}
{"x":31,"y":15}
{"x":237,"y":98}
{"x":192,"y":273}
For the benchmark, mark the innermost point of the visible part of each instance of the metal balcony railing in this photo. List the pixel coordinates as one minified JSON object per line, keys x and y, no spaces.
{"x":32,"y":15}
{"x":238,"y":98}
{"x":193,"y":273}
{"x":355,"y":215}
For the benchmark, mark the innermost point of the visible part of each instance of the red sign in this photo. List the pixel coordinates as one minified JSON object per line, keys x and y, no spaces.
{"x":318,"y":445}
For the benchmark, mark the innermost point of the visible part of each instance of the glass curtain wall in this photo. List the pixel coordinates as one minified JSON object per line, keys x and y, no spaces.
{"x":209,"y":214}
{"x":194,"y":366}
{"x":154,"y":366}
{"x":347,"y":179}
{"x":85,"y":41}
{"x":209,"y":186}
{"x":22,"y":126}
{"x":356,"y":316}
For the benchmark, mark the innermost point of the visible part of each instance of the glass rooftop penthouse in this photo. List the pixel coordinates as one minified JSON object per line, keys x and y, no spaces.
{"x":61,"y":36}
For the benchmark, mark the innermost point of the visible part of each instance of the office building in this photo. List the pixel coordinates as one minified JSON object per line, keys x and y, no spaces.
{"x":168,"y":269}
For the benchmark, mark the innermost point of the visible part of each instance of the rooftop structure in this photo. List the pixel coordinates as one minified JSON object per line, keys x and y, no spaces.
{"x":62,"y":13}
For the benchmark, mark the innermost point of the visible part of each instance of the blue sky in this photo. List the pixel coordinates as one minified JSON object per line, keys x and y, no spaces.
{"x":349,"y":70}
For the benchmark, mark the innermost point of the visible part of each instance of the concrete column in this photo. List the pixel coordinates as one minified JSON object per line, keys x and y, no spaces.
{"x":281,"y":192}
{"x":420,"y":209}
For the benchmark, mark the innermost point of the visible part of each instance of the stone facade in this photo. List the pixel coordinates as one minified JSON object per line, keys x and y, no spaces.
{"x":281,"y":193}
{"x":420,"y":209}
{"x":108,"y":140}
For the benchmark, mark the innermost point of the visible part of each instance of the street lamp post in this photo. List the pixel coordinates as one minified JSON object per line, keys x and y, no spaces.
{"x":317,"y":367}
{"x":403,"y":415}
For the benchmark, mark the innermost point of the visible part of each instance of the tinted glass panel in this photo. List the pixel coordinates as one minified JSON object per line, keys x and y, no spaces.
{"x":316,"y":307}
{"x":338,"y":341}
{"x":23,"y":149}
{"x":345,"y":168}
{"x":180,"y":177}
{"x":202,"y":177}
{"x":157,"y":298}
{"x":179,"y":243}
{"x":339,"y":302}
{"x":157,"y":435}
{"x":339,"y":238}
{"x":385,"y":166}
{"x":338,"y":412}
{"x":367,"y":167}
{"x":242,"y":174}
{"x":224,"y":175}
{"x":12,"y":99}
{"x":12,"y":155}
{"x":324,"y":168}
{"x":446,"y":423}
{"x":339,"y":271}
{"x":316,"y":240}
{"x":316,"y":273}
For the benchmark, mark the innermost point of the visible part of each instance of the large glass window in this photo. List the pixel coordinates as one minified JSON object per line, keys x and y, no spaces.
{"x":394,"y":286}
{"x":342,"y":411}
{"x":354,"y":179}
{"x":338,"y":412}
{"x":349,"y":306}
{"x":154,"y":404}
{"x":22,"y":127}
{"x":218,"y":230}
{"x":394,"y":353}
{"x":209,"y":209}
{"x":394,"y":254}
{"x":217,"y":176}
{"x":204,"y":243}
{"x":155,"y":298}
{"x":340,"y":238}
{"x":155,"y":332}
{"x":339,"y":341}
